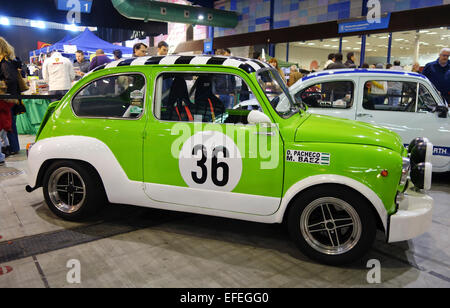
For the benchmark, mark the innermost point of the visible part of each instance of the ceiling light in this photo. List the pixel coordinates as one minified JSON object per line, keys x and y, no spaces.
{"x":37,"y":24}
{"x":4,"y":21}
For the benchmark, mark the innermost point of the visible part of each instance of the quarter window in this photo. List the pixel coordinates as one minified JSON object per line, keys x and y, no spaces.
{"x":120,"y":96}
{"x":390,"y":95}
{"x":426,"y":100}
{"x":336,"y":94}
{"x":203,"y":97}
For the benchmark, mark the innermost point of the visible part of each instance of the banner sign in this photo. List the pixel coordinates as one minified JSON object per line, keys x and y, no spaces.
{"x":364,"y":25}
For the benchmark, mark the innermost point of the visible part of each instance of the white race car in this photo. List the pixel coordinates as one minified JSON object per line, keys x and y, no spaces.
{"x":406,"y":103}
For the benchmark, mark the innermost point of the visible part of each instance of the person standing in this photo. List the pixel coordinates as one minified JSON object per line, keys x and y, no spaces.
{"x":351,"y":60}
{"x":294,"y":75}
{"x":140,"y":50}
{"x":395,"y":88}
{"x":274,"y":63}
{"x":99,"y":59}
{"x":337,"y":63}
{"x":225,"y":84}
{"x":439,"y":74}
{"x":163,"y":49}
{"x":9,"y":74}
{"x":331,"y":59}
{"x":59,"y":73}
{"x":81,"y":66}
{"x":117,"y":54}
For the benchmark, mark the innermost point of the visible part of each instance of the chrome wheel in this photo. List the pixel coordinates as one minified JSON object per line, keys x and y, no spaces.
{"x":67,"y":190}
{"x":331,"y":226}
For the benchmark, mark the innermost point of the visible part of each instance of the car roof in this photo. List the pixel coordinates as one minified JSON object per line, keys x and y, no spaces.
{"x":248,"y":65}
{"x":362,"y":72}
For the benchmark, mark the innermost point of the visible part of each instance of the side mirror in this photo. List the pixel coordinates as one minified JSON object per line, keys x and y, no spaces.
{"x":442,"y":111}
{"x":257,"y":117}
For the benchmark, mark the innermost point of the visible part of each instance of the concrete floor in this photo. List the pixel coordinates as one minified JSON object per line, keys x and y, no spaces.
{"x":128,"y":246}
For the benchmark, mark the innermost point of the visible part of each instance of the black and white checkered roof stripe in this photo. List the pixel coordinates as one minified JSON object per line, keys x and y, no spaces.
{"x":248,"y":65}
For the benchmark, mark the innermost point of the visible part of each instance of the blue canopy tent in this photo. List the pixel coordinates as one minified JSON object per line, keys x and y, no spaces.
{"x":57,"y":46}
{"x":87,"y":42}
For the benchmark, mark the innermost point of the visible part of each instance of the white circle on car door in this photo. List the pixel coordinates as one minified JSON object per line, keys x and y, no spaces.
{"x":210,"y":160}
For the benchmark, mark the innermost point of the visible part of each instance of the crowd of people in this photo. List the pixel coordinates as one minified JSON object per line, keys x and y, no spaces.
{"x":59,"y":73}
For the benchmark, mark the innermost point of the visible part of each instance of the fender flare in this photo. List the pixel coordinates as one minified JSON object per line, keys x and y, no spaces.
{"x":86,"y":149}
{"x":311,"y":181}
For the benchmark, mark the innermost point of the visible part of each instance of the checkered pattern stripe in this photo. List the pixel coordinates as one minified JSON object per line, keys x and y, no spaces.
{"x":248,"y":65}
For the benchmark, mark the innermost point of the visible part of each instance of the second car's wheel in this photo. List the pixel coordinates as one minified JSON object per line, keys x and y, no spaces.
{"x":332,"y":224}
{"x":73,"y":190}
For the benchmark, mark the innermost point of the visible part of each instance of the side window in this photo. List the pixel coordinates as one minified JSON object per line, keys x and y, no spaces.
{"x":426,"y":101}
{"x":336,"y":94}
{"x":203,"y":97}
{"x":390,"y":95}
{"x":120,"y":96}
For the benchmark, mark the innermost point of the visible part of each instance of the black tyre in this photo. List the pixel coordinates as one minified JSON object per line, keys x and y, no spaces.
{"x":73,"y":190}
{"x":332,"y":224}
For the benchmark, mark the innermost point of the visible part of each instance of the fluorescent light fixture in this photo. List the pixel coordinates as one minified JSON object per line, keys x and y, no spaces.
{"x":37,"y":24}
{"x":311,"y":44}
{"x":4,"y":21}
{"x":71,"y":27}
{"x":383,"y":37}
{"x":424,"y":31}
{"x":430,"y":33}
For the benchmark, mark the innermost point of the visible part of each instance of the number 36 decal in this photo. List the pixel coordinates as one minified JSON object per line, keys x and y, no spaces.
{"x":210,"y":160}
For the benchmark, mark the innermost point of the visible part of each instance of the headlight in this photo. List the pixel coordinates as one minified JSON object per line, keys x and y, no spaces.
{"x":421,"y":153}
{"x":416,"y":141}
{"x":405,"y":171}
{"x":421,"y":175}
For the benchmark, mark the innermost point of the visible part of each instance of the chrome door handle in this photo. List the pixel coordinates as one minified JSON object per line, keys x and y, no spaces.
{"x":359,"y":115}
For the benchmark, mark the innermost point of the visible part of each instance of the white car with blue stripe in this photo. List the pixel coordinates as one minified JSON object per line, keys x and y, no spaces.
{"x":406,"y":103}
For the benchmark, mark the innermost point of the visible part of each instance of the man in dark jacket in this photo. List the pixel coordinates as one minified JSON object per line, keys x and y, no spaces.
{"x":81,"y":66}
{"x":338,"y":63}
{"x":351,"y":60}
{"x":439,"y":74}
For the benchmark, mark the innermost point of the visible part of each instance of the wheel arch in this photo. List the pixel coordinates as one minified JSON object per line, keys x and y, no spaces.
{"x":300,"y":188}
{"x":46,"y":165}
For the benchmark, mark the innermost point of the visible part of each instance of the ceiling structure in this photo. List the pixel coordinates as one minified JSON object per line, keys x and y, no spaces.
{"x":102,"y":14}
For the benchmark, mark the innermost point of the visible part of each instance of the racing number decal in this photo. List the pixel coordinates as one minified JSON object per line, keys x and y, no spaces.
{"x":215,"y":165}
{"x":210,"y":160}
{"x":201,"y":164}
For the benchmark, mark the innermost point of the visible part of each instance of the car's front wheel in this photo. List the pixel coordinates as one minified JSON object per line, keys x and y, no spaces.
{"x":73,"y":190}
{"x":332,"y":224}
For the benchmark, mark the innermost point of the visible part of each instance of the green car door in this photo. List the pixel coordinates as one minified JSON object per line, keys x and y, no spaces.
{"x":199,"y":149}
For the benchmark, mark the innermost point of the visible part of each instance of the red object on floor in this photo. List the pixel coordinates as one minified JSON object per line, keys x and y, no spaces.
{"x":5,"y":270}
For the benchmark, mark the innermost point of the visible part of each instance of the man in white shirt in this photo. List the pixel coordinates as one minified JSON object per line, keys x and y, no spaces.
{"x":59,"y":73}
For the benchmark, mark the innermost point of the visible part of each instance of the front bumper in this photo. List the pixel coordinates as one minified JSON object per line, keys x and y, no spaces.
{"x":413,"y":217}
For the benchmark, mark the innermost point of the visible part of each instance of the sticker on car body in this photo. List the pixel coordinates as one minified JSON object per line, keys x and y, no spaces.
{"x":308,"y":157}
{"x":210,"y":160}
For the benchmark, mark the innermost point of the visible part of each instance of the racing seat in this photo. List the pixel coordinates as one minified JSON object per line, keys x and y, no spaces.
{"x":206,"y":103}
{"x":178,"y":105}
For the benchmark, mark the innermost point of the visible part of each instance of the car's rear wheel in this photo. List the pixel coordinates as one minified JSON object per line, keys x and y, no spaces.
{"x":331,"y":224}
{"x":73,"y":190}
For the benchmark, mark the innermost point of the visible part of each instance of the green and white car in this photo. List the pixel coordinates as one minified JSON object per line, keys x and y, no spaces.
{"x":161,"y":132}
